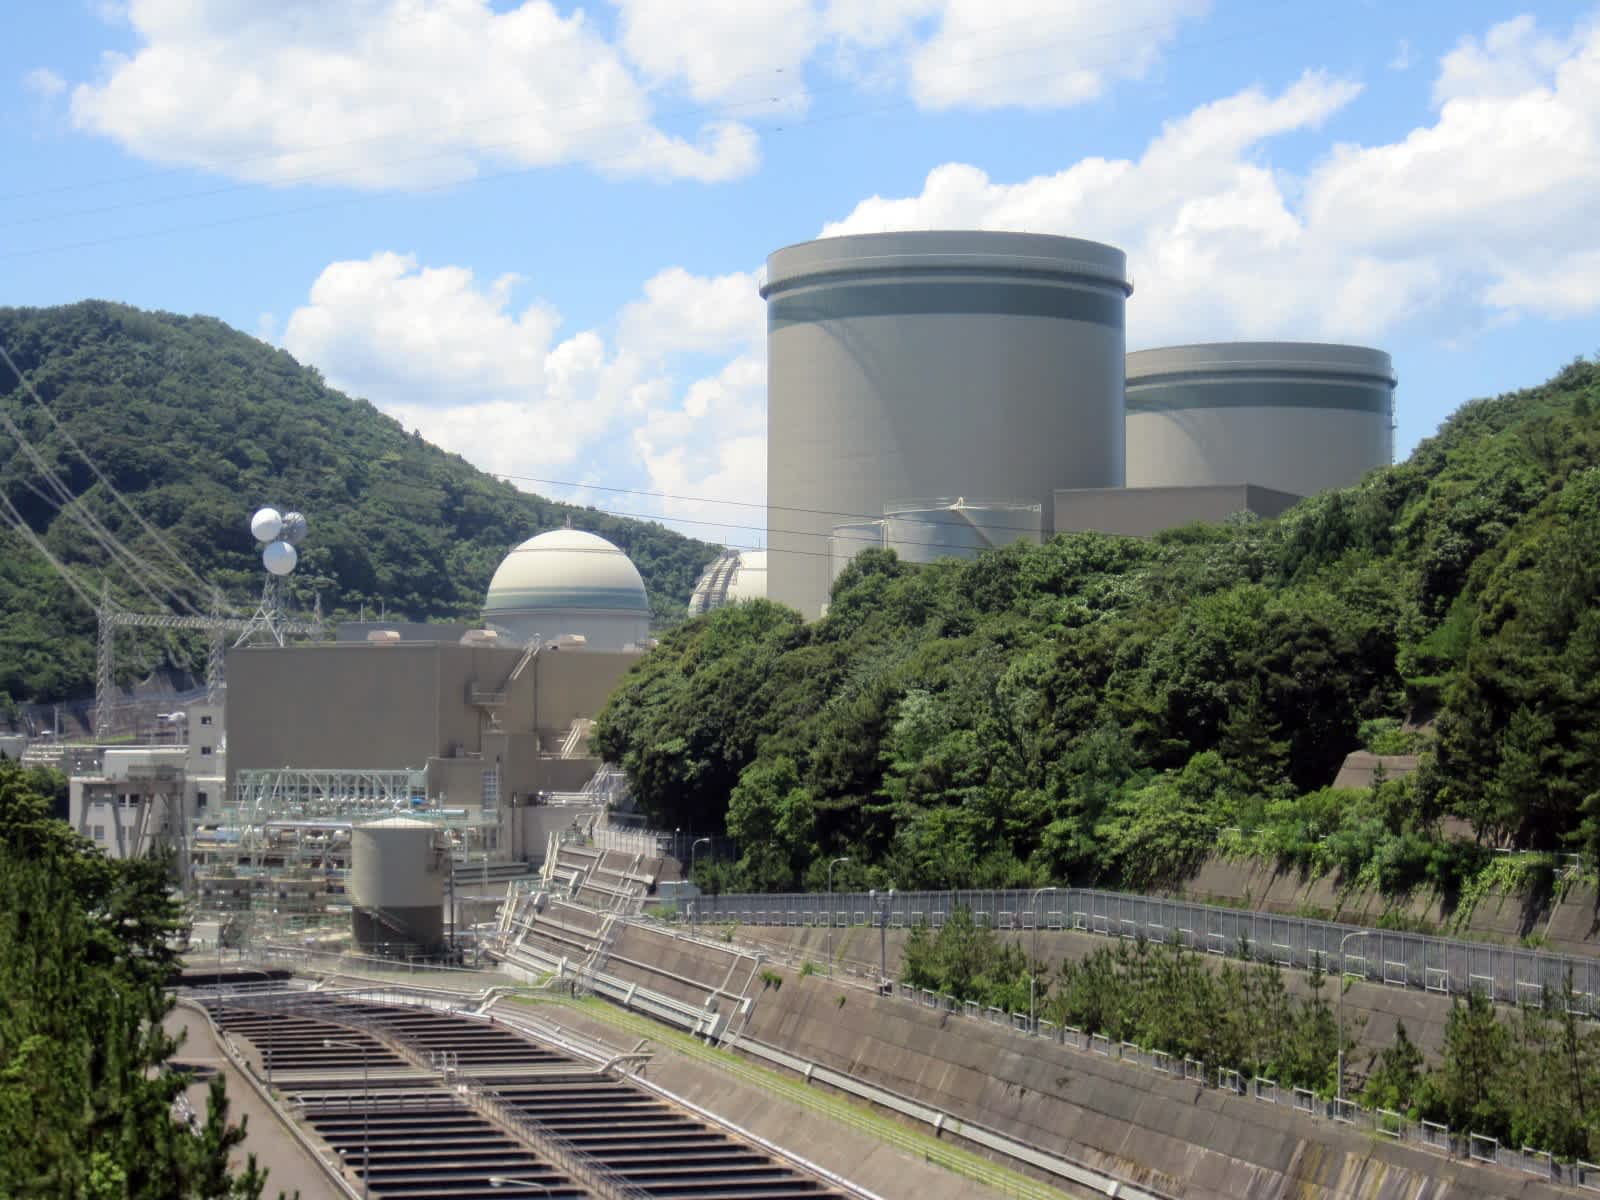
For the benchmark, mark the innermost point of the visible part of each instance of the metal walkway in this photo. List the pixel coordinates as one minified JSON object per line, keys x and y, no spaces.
{"x":424,"y":1138}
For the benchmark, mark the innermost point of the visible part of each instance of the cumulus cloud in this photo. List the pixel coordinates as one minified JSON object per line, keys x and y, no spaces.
{"x":416,"y":93}
{"x":722,"y":50}
{"x":1038,"y":54}
{"x":1485,"y":211}
{"x":461,"y":361}
{"x":387,"y":93}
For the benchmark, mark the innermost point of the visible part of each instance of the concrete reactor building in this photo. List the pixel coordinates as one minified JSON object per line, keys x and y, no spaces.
{"x":569,"y":584}
{"x":904,"y":366}
{"x":908,"y":366}
{"x":1295,"y":417}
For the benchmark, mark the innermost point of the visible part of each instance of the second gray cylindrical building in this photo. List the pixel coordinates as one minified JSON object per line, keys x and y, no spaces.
{"x":909,"y":365}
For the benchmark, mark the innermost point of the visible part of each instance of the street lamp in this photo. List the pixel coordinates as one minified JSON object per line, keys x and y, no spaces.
{"x":1033,"y":967}
{"x":366,"y":1112}
{"x":883,"y":934}
{"x":831,"y":866}
{"x":1339,"y":1087}
{"x":499,"y":1181}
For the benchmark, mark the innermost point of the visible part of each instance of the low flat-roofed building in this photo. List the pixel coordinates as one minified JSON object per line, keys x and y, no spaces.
{"x":1143,"y":511}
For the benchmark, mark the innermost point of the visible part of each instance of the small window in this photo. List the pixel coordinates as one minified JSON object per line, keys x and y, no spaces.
{"x":200,"y":799}
{"x":99,"y":833}
{"x":205,"y":718}
{"x":204,"y":750}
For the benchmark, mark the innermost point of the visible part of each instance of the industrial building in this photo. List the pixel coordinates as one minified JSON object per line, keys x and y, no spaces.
{"x":909,"y":373}
{"x":905,"y":367}
{"x":445,"y":749}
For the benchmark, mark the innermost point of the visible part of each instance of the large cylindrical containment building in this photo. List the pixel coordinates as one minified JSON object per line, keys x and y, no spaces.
{"x":933,"y":364}
{"x":1294,"y":416}
{"x":397,"y":877}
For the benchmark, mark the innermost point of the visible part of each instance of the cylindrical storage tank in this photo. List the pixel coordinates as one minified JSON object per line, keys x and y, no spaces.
{"x":921,"y":531}
{"x":845,"y":542}
{"x":928,"y":364}
{"x":396,"y":884}
{"x":1294,"y":416}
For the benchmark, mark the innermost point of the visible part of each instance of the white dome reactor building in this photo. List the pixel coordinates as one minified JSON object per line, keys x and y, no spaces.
{"x":568,"y":583}
{"x":733,"y":576}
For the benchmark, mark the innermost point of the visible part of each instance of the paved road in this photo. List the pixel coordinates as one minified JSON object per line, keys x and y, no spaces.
{"x":292,"y":1166}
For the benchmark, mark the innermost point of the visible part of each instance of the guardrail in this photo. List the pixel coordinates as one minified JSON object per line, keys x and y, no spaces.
{"x":1420,"y":961}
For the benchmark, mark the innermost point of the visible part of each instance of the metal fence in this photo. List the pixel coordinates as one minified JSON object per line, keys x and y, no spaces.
{"x":1436,"y":964}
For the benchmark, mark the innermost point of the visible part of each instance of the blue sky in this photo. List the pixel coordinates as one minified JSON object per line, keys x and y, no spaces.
{"x":533,"y":230}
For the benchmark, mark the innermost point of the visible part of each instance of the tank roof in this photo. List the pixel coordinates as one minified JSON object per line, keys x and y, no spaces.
{"x":946,"y":252}
{"x":396,"y":823}
{"x":1297,"y":358}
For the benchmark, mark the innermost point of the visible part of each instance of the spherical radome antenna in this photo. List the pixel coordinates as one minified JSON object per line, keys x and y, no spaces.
{"x":294,"y":528}
{"x":279,"y":557}
{"x":266,"y":524}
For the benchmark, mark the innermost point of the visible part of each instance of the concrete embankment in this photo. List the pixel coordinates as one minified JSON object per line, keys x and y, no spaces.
{"x":1567,"y":921}
{"x":1161,"y":1132}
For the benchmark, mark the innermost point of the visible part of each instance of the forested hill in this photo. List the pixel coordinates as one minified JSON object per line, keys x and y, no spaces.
{"x":1104,"y":708}
{"x":197,"y":423}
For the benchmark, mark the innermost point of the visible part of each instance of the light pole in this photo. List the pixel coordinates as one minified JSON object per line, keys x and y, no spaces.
{"x":1339,"y":1087}
{"x":1033,"y":967}
{"x":883,"y":934}
{"x":366,"y":1113}
{"x":500,"y":1181}
{"x":831,"y":866}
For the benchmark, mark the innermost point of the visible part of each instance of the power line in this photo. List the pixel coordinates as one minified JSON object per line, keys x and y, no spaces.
{"x":815,"y":512}
{"x":66,"y":435}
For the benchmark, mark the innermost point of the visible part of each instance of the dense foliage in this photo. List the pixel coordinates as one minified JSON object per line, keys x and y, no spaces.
{"x":1529,"y":1077}
{"x":197,"y":424}
{"x":1108,"y":708}
{"x":86,"y":1088}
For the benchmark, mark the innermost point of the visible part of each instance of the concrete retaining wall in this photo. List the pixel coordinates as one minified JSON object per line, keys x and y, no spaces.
{"x":1570,"y":925}
{"x":1168,"y":1134}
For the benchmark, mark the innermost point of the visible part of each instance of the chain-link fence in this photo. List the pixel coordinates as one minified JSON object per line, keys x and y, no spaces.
{"x":1436,"y":964}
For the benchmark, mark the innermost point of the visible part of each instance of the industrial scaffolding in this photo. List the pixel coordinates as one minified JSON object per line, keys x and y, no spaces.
{"x":276,"y":853}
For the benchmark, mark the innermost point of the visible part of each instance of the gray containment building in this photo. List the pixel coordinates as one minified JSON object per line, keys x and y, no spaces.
{"x":1295,"y":417}
{"x":933,"y":364}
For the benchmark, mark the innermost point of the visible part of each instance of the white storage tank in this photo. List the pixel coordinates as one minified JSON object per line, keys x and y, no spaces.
{"x":921,"y":531}
{"x":1298,"y":417}
{"x":398,"y":869}
{"x":933,"y":364}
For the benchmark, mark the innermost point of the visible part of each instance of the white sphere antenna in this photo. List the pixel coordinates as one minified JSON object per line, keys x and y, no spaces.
{"x":266,"y":524}
{"x":279,"y":557}
{"x":276,"y":534}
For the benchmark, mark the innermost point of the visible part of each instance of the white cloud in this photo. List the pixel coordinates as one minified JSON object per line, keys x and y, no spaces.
{"x":387,"y":93}
{"x":1487,"y":210}
{"x":418,"y":93}
{"x":460,"y":361}
{"x":722,"y":50}
{"x":42,"y":81}
{"x":1041,"y":53}
{"x":1404,"y":57}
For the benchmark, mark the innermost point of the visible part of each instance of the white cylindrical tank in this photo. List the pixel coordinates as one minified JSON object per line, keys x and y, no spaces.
{"x":850,"y":539}
{"x":933,"y":364}
{"x":921,"y":531}
{"x":1298,"y":417}
{"x":398,"y":869}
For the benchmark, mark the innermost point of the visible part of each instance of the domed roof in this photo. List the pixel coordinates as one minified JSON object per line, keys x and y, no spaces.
{"x":566,"y":569}
{"x":750,"y":579}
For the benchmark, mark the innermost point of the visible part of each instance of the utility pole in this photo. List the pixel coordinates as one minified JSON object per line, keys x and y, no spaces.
{"x":831,"y":866}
